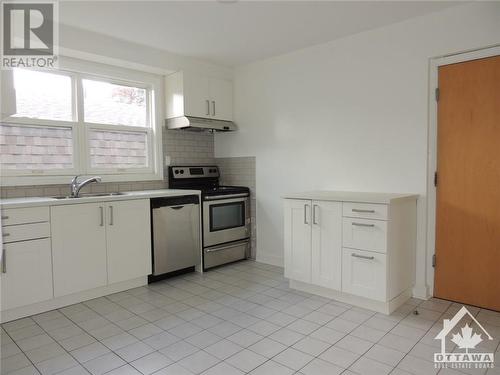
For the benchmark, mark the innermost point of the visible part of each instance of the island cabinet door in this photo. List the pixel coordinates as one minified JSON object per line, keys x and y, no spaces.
{"x":78,"y":247}
{"x":128,"y":236}
{"x":327,"y":244}
{"x":297,"y":239}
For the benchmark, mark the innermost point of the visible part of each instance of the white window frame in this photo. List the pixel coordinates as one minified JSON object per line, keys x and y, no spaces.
{"x":79,"y":70}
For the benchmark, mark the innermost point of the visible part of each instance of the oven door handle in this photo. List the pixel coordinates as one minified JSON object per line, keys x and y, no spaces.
{"x":228,"y":196}
{"x":234,"y":244}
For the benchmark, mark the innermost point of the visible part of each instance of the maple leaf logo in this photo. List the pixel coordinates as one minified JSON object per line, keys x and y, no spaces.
{"x":466,"y":340}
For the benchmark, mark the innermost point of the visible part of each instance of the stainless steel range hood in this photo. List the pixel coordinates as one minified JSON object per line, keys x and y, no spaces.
{"x":199,"y":124}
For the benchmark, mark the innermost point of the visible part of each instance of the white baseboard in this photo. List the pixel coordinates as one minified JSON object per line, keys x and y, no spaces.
{"x":56,"y":303}
{"x":273,"y":260}
{"x":421,"y":291}
{"x":379,"y":306}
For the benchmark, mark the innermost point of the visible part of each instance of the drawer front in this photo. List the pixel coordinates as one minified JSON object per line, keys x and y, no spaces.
{"x":13,"y":216}
{"x":24,"y":232}
{"x":365,"y":210}
{"x":364,"y":234}
{"x":364,"y":274}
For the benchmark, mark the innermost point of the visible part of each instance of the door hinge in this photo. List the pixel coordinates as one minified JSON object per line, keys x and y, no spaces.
{"x":434,"y":260}
{"x":436,"y":93}
{"x":435,"y":179}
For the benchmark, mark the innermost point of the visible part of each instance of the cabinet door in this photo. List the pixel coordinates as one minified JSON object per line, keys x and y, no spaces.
{"x":196,"y":96}
{"x":364,"y":274}
{"x":128,"y":237}
{"x":28,"y":273}
{"x":327,"y":244}
{"x":298,"y":240}
{"x":221,"y":99}
{"x":78,"y":247}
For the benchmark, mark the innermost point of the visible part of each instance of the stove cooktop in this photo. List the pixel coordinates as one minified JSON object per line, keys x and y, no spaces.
{"x":224,"y":190}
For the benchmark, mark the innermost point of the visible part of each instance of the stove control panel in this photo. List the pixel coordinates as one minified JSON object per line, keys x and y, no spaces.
{"x":195,"y":172}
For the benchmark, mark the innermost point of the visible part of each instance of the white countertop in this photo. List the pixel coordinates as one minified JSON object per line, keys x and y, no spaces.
{"x":351,"y":196}
{"x":129,"y":195}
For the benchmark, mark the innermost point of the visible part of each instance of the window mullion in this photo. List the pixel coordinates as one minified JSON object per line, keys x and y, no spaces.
{"x":83,"y":150}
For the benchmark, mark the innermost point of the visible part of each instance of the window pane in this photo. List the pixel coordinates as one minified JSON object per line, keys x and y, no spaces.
{"x":109,"y":149}
{"x":42,"y":95}
{"x":107,"y":103}
{"x":26,"y":147}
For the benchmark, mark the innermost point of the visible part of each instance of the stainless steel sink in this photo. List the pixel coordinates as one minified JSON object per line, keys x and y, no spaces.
{"x":88,"y":195}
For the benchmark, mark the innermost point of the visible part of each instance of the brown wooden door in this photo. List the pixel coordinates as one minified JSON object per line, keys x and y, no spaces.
{"x":468,"y":192}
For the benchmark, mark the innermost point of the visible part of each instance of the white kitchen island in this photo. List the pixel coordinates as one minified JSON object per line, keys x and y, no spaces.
{"x":355,"y":247}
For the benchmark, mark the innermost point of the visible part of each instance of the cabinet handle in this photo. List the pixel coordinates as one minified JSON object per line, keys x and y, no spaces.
{"x":363,"y":225}
{"x":5,"y":217}
{"x":111,"y":219}
{"x":314,"y":214}
{"x":213,"y":107}
{"x":208,"y":107}
{"x":4,"y":261}
{"x":102,"y":216}
{"x":364,"y":211}
{"x":305,"y":214}
{"x":362,"y":256}
{"x":5,"y":234}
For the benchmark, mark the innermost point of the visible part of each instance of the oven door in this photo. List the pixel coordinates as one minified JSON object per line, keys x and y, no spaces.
{"x":225,"y":220}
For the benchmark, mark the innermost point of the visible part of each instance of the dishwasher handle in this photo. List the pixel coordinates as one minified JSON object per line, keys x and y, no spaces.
{"x":174,"y":201}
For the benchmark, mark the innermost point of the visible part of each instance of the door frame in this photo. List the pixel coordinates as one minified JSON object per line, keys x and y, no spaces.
{"x":434,"y":65}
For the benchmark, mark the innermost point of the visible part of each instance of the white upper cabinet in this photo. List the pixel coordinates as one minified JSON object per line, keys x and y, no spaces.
{"x":128,"y":238}
{"x":198,"y":96}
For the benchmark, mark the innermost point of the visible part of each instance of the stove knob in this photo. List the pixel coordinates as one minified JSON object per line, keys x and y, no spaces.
{"x":182,"y":171}
{"x":176,"y":171}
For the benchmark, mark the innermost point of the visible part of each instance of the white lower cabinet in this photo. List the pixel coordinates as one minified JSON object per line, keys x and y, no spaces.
{"x":357,"y":252}
{"x":26,"y":273}
{"x":326,"y":258}
{"x":97,"y":244}
{"x":128,"y":240}
{"x":298,"y":240}
{"x":78,"y":247}
{"x":364,"y":274}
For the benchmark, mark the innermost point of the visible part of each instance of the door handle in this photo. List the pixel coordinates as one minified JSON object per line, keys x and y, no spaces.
{"x":176,"y":207}
{"x":111,"y":216}
{"x":363,"y":225}
{"x":4,"y":261}
{"x":362,"y":256}
{"x":213,"y":107}
{"x":305,"y":214}
{"x":208,"y":107}
{"x":314,"y":214}
{"x":101,"y":208}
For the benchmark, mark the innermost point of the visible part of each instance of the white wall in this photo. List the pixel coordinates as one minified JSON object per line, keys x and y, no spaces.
{"x":351,"y":114}
{"x":85,"y":41}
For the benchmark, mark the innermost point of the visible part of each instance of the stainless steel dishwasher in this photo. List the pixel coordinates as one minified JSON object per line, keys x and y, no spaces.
{"x":175,"y":234}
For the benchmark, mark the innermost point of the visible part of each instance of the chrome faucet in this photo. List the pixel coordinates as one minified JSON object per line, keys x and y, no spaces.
{"x":77,"y":186}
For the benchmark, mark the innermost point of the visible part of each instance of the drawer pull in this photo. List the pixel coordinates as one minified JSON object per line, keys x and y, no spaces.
{"x":362,"y":256}
{"x":363,"y":225}
{"x":5,"y":234}
{"x":5,"y":218}
{"x":363,"y":211}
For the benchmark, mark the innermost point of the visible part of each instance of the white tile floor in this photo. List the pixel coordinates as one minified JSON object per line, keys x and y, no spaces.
{"x":237,"y":319}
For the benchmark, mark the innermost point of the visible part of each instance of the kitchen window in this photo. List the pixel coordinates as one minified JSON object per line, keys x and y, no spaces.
{"x":64,"y":123}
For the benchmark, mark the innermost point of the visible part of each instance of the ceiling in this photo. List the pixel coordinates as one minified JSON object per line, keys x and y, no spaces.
{"x":237,"y":32}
